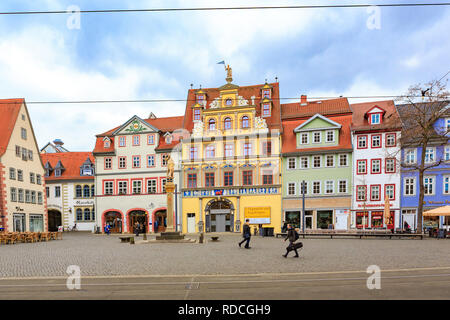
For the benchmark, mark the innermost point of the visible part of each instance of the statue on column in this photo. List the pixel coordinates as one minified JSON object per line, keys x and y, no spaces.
{"x":170,"y":169}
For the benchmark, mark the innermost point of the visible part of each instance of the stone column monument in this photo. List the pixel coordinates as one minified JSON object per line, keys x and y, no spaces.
{"x":170,"y":233}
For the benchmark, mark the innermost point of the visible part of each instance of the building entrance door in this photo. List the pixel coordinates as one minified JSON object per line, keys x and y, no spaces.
{"x":54,"y":220}
{"x":160,"y":216}
{"x":140,"y":217}
{"x":191,"y":222}
{"x":341,"y":220}
{"x":19,"y":223}
{"x":113,"y":219}
{"x":217,"y":223}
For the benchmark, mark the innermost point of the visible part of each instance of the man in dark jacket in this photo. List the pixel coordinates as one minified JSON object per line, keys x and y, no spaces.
{"x":292,"y":239}
{"x":246,"y":234}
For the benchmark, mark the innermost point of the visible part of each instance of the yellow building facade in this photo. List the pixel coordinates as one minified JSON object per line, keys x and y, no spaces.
{"x":231,"y":160}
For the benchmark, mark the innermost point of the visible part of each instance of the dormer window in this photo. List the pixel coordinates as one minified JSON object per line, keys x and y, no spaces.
{"x":375,"y":118}
{"x":168,"y":139}
{"x":197,"y":114}
{"x":266,"y":110}
{"x":200,"y":98}
{"x":266,"y":93}
{"x":106,"y":144}
{"x":229,"y":102}
{"x":87,"y":168}
{"x":58,"y":173}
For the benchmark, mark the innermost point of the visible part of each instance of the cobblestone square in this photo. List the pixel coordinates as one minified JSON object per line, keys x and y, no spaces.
{"x":101,"y":255}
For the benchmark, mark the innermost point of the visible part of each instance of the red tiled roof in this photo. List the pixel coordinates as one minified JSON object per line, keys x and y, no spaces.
{"x":391,"y":119}
{"x":273,"y":122}
{"x":9,"y":110}
{"x":323,"y":107}
{"x":71,"y":161}
{"x":166,"y":124}
{"x":289,"y":144}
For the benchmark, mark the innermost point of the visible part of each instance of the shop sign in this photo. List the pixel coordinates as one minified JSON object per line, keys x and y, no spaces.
{"x":381,"y":205}
{"x":231,"y":192}
{"x":84,"y":202}
{"x":257,"y":215}
{"x":19,"y":209}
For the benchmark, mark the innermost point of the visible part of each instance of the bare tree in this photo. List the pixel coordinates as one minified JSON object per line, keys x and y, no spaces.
{"x":424,"y":105}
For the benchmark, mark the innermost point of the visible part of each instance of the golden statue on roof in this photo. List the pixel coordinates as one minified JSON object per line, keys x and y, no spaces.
{"x":229,"y":77}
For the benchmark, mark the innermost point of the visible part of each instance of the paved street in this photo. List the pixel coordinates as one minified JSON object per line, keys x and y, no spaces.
{"x":100,"y":255}
{"x":405,"y":284}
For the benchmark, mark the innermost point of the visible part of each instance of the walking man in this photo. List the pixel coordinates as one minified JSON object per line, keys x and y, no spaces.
{"x":292,"y":236}
{"x":136,"y":228}
{"x":246,"y":234}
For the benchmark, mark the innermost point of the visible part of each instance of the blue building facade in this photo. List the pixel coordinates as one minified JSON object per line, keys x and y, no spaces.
{"x":436,"y":182}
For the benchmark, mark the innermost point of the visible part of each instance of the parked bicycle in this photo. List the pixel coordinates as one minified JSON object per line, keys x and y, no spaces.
{"x":73,"y":228}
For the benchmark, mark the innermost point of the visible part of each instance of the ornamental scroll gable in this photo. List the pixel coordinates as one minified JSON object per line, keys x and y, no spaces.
{"x":214,"y":104}
{"x":260,"y":124}
{"x":242,"y":101}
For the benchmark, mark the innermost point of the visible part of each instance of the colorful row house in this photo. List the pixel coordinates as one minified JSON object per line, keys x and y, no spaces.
{"x":22,"y":200}
{"x":130,"y":176}
{"x":70,"y":190}
{"x":436,"y":179}
{"x":231,"y":160}
{"x":376,"y":131}
{"x":317,"y":154}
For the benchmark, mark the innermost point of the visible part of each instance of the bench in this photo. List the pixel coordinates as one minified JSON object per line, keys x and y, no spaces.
{"x":125,"y":239}
{"x":363,"y":234}
{"x":214,"y":238}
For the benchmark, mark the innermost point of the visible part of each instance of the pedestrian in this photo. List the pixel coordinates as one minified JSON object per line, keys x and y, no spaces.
{"x":284,"y":229}
{"x":156,"y":226}
{"x":136,"y":228}
{"x":107,"y":229}
{"x":292,"y":236}
{"x":246,"y":234}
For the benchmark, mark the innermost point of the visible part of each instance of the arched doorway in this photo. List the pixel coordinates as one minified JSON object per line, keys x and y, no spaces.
{"x":220,"y":217}
{"x":54,"y":220}
{"x":161,"y":219}
{"x":138,"y":216}
{"x":114,"y":220}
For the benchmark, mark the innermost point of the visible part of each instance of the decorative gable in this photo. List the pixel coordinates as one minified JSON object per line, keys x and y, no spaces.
{"x":135,"y":125}
{"x":317,"y":122}
{"x":375,"y":115}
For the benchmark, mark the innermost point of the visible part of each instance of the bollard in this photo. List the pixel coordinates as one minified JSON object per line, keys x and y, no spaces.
{"x":132,"y":240}
{"x":200,"y":240}
{"x":145,"y":236}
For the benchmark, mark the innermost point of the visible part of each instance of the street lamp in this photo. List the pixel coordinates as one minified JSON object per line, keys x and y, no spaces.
{"x":303,"y":206}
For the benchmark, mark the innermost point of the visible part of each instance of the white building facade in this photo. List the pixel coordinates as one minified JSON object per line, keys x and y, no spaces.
{"x":131,"y":165}
{"x":376,"y":131}
{"x":70,"y":190}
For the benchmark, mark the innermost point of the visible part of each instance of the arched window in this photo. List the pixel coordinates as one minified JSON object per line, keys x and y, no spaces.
{"x":212,"y":124}
{"x":78,"y":192}
{"x":92,"y":190}
{"x":245,"y":123}
{"x":79,"y":214}
{"x":227,"y":123}
{"x":86,"y":191}
{"x":87,"y":214}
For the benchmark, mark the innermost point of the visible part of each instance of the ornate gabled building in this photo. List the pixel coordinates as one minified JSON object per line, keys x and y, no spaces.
{"x":231,"y":161}
{"x":131,"y":163}
{"x":70,"y":190}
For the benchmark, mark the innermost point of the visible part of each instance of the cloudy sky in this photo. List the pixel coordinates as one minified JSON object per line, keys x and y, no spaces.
{"x":320,"y":52}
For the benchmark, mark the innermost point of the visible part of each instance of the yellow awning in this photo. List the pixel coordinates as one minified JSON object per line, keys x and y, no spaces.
{"x":441,"y":211}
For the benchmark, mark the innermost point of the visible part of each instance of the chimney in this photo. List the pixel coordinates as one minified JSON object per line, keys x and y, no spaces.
{"x":303,"y":100}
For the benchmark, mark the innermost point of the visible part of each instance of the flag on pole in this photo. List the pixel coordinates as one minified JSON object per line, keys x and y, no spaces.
{"x":221,"y":62}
